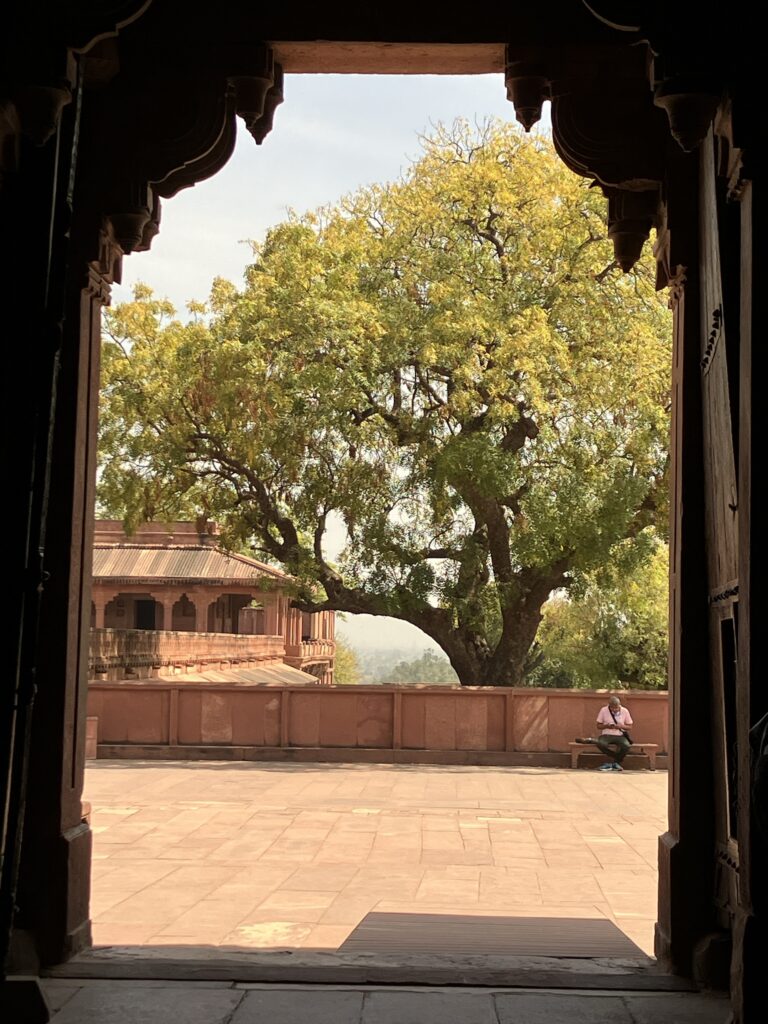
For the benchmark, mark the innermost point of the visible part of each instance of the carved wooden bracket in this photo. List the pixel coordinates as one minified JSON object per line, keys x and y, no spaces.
{"x":631,"y":215}
{"x":527,"y":89}
{"x":683,"y":75}
{"x":263,"y":126}
{"x":691,"y":102}
{"x":259,"y":92}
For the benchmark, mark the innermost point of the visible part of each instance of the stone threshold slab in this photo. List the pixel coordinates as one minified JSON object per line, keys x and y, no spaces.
{"x":194,"y":964}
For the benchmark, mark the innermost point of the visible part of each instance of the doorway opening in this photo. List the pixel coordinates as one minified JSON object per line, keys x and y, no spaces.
{"x":321,"y":850}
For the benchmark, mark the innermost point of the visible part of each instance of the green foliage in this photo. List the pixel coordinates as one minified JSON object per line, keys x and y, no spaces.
{"x":346,"y":670}
{"x":613,"y":633}
{"x":452,"y":365}
{"x":429,"y":668}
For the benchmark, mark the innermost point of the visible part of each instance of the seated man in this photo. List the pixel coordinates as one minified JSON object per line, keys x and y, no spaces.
{"x":614,"y":741}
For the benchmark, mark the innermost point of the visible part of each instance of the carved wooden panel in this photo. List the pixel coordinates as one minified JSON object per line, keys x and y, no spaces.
{"x":721,"y":502}
{"x":720,"y":470}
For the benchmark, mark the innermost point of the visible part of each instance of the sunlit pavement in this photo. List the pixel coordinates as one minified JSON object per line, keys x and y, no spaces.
{"x":271,"y":856}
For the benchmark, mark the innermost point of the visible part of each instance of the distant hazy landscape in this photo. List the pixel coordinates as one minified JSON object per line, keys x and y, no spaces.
{"x":383,"y":646}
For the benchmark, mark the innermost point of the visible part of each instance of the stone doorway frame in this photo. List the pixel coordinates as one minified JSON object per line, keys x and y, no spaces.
{"x":647,"y":181}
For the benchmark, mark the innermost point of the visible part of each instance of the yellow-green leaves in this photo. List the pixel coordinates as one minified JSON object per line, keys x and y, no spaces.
{"x":450,"y":365}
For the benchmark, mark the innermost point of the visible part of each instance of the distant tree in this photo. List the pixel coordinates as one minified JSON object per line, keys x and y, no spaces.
{"x":346,"y":665}
{"x":429,"y":668}
{"x":452,"y":366}
{"x":613,"y":631}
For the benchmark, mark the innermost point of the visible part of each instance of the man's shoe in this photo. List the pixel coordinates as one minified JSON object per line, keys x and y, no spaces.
{"x":607,"y":767}
{"x":616,"y":767}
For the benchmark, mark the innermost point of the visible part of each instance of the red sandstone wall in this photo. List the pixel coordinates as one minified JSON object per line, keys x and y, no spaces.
{"x":384,"y":718}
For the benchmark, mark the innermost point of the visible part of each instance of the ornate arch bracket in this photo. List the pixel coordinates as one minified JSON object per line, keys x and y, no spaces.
{"x":604,"y":126}
{"x":163,"y":124}
{"x":687,"y":82}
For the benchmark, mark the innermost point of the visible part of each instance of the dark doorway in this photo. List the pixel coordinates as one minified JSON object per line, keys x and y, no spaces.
{"x":145,"y":615}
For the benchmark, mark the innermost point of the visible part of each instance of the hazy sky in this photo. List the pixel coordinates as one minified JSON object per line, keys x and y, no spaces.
{"x":332,"y":134}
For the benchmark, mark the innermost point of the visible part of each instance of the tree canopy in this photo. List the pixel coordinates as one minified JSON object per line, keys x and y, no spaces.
{"x":612,"y":632}
{"x":451,"y":366}
{"x":346,"y":665}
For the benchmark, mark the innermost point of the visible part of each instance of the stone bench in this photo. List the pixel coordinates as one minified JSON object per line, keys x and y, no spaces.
{"x":648,"y":749}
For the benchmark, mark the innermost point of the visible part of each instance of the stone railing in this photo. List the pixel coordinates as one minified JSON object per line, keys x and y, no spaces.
{"x":488,"y":725}
{"x":114,"y":653}
{"x":311,"y":649}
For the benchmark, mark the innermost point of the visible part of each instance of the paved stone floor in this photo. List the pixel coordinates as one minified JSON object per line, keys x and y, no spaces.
{"x":267,"y":856}
{"x":133,"y":1002}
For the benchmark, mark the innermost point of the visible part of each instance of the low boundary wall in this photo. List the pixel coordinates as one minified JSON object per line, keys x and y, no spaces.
{"x":376,"y":724}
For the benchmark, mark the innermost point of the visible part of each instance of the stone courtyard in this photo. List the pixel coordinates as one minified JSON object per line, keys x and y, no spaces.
{"x":261,"y":856}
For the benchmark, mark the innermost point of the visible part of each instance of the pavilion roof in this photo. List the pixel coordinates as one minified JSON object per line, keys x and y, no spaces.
{"x":198,"y":562}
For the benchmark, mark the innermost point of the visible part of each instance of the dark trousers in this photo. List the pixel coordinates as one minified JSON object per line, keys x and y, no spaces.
{"x":616,"y":747}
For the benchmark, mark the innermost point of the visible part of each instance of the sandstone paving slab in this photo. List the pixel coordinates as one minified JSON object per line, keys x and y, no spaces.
{"x":348,"y":911}
{"x":298,"y":899}
{"x":327,"y":937}
{"x":120,"y":933}
{"x":292,"y":1007}
{"x":691,"y":1008}
{"x":320,"y":878}
{"x":58,"y":994}
{"x":562,"y":1008}
{"x":269,"y":934}
{"x":391,"y":1007}
{"x":132,"y":1004}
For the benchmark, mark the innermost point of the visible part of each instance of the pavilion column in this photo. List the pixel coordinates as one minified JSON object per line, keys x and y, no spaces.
{"x":100,"y":602}
{"x":167,"y":601}
{"x":201,"y":611}
{"x":294,"y":627}
{"x":269,"y":603}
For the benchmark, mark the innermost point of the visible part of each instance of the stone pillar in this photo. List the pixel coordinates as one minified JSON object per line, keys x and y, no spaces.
{"x":201,"y":611}
{"x":57,"y":841}
{"x":100,"y":602}
{"x":271,"y":615}
{"x":751,"y":925}
{"x":294,"y":626}
{"x":34,"y":219}
{"x":686,"y":877}
{"x":167,"y":600}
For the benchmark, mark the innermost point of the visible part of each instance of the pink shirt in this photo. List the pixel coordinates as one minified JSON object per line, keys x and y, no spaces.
{"x":611,"y":727}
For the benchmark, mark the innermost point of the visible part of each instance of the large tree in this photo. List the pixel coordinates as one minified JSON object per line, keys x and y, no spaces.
{"x":452,"y":367}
